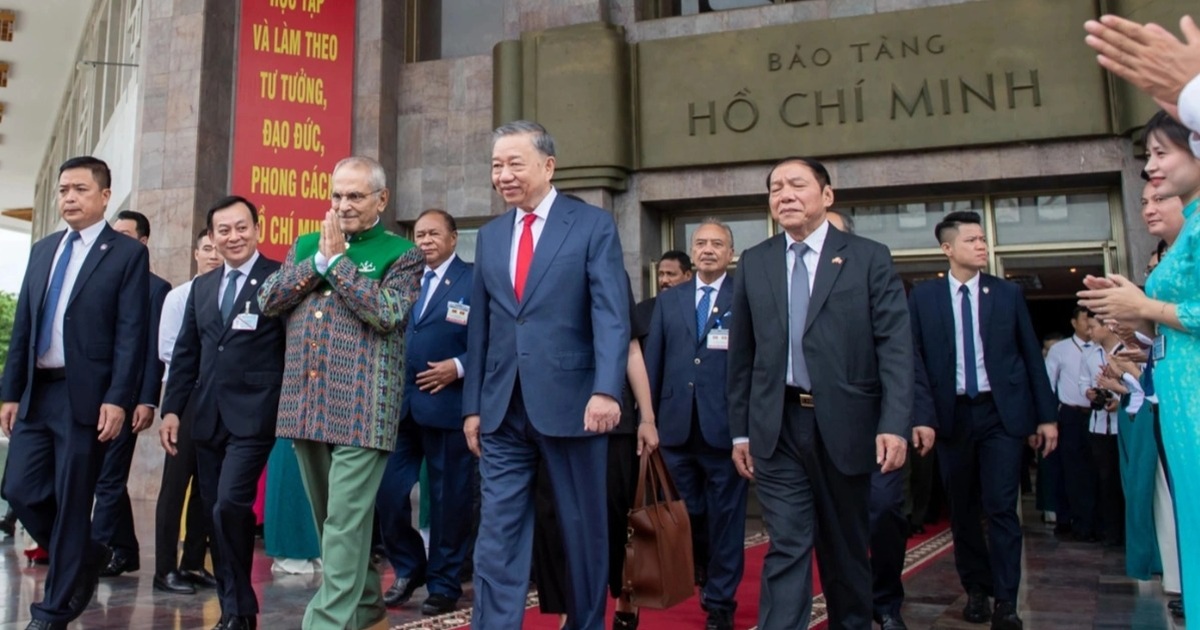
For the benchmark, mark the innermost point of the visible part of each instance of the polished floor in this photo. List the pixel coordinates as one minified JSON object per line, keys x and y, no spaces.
{"x":1067,"y":585}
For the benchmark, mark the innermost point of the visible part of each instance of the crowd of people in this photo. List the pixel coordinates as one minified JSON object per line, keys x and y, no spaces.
{"x":356,"y":360}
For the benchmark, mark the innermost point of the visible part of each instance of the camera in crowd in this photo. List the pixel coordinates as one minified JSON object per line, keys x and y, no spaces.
{"x":1103,"y":396}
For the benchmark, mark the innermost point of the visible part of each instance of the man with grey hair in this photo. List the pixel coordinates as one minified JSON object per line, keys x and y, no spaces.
{"x":685,"y":358}
{"x":345,"y":309}
{"x":546,"y":356}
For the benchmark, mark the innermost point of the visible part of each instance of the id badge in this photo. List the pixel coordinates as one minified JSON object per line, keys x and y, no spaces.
{"x":1159,"y":349}
{"x":718,"y":339}
{"x":245,"y":321}
{"x":457,"y":313}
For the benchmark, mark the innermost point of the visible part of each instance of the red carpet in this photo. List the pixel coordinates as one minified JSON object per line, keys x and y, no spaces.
{"x":921,"y":550}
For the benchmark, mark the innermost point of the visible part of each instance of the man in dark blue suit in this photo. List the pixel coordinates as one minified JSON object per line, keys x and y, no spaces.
{"x":889,"y":526}
{"x":73,"y":375}
{"x":685,"y":358}
{"x":229,"y":358}
{"x":991,"y":393}
{"x":431,"y":429}
{"x":547,"y":348}
{"x":112,"y":519}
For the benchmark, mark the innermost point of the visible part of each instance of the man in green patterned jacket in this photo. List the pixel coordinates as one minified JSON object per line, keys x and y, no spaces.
{"x":346,"y":293}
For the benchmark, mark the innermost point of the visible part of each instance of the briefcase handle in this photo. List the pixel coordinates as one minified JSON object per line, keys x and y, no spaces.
{"x":655,"y":484}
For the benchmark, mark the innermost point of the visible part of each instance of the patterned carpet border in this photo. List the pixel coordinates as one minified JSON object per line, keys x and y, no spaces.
{"x":913,"y":559}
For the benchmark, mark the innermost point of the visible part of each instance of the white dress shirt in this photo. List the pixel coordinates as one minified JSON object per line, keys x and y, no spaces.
{"x":1189,"y":111}
{"x":173,"y":309}
{"x":1062,"y":365}
{"x":960,"y":375}
{"x":55,"y":356}
{"x":543,"y":212}
{"x":241,"y":280}
{"x":1091,"y":366}
{"x":433,"y":285}
{"x":812,"y":256}
{"x":716,"y":288}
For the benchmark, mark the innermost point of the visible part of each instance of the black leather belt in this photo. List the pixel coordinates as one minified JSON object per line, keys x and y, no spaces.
{"x":50,"y":374}
{"x":982,"y":398}
{"x":1079,"y":409}
{"x":797,"y":395}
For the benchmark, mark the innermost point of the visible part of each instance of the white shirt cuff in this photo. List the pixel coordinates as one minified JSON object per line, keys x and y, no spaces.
{"x":1189,"y":106}
{"x":323,"y":264}
{"x":742,"y":440}
{"x":458,"y":364}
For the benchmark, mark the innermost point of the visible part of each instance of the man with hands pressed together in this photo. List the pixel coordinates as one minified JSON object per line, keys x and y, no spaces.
{"x":228,"y":364}
{"x":813,"y":416}
{"x":546,"y":356}
{"x":992,"y":394}
{"x":346,"y":293}
{"x":73,"y":375}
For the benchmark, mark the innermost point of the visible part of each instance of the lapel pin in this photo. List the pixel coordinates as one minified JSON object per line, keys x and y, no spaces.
{"x":985,"y":290}
{"x":103,"y":246}
{"x":837,"y":260}
{"x":446,"y":282}
{"x":253,"y":282}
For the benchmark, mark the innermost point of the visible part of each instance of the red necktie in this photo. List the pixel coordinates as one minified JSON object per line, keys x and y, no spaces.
{"x":524,"y":254}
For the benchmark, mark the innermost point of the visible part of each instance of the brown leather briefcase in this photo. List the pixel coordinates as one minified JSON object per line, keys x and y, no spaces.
{"x":658,"y":550}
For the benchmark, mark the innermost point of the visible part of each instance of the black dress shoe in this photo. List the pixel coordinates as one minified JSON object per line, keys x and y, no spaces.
{"x":892,"y":622}
{"x":42,"y":624}
{"x":625,"y":621}
{"x":1005,"y":617}
{"x":438,"y":605}
{"x":401,"y":591}
{"x":719,"y":619}
{"x":977,"y":609}
{"x":173,"y":582}
{"x":121,"y":562}
{"x":238,"y":622}
{"x":85,"y":585}
{"x":199,"y":577}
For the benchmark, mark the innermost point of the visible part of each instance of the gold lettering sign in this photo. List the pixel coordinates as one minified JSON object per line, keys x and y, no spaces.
{"x":971,"y":74}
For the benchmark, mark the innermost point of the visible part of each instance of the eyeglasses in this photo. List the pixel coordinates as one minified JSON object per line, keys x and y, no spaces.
{"x":354,"y":197}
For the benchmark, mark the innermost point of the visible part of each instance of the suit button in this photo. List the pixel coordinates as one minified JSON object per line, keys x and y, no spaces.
{"x":220,"y":348}
{"x":521,"y":322}
{"x":318,"y":315}
{"x":298,"y":287}
{"x":314,"y":344}
{"x":697,"y":361}
{"x":312,"y":374}
{"x":328,"y":292}
{"x":691,"y":385}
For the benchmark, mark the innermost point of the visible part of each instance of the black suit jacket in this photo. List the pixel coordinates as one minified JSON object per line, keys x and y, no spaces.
{"x":857,"y":344}
{"x":1012,"y":354}
{"x":104,"y":326}
{"x":236,"y":375}
{"x":151,"y":389}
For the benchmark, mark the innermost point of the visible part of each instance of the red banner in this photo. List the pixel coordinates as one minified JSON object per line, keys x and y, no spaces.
{"x":293,"y":111}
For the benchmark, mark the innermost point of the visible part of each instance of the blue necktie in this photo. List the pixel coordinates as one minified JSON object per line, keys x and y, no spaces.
{"x":798,"y":317}
{"x":425,"y":291}
{"x":968,"y":341}
{"x":702,"y":311}
{"x":230,"y":295}
{"x":53,"y":293}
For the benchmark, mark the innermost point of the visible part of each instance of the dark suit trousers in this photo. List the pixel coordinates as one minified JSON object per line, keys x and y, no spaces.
{"x":503,"y":550}
{"x":809,"y":504}
{"x":53,"y":464}
{"x":112,"y":518}
{"x":712,"y":489}
{"x":1111,"y":503}
{"x":451,"y":467}
{"x":889,"y":534}
{"x":179,"y":471}
{"x":228,"y":471}
{"x":981,"y":467}
{"x":1078,"y":468}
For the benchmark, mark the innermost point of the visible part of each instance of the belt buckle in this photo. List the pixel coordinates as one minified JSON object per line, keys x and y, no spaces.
{"x":806,"y":401}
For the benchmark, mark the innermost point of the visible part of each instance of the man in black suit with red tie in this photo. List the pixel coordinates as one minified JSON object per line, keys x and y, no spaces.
{"x":820,"y":394}
{"x":229,"y":358}
{"x":991,"y":392}
{"x":73,"y":376}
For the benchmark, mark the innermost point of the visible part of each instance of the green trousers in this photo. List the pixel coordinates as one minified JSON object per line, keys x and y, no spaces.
{"x":341,"y":483}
